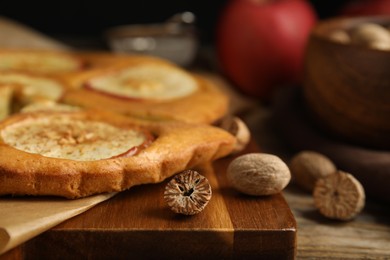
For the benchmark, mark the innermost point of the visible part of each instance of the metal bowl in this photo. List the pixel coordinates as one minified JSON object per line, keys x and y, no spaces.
{"x":174,"y":40}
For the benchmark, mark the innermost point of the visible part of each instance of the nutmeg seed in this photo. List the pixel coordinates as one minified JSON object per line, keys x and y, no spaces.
{"x":339,"y":196}
{"x":308,"y":166}
{"x":371,"y":35}
{"x":188,"y":193}
{"x":236,"y":127}
{"x":258,"y":174}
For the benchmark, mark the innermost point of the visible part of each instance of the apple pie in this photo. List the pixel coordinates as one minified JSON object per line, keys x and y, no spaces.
{"x":139,"y":86}
{"x":148,"y":88}
{"x":80,"y":153}
{"x":63,"y":139}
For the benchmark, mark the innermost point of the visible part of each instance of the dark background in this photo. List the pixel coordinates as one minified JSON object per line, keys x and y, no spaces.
{"x":87,"y":20}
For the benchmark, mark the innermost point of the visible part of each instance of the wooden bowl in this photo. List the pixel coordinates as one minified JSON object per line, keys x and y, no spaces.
{"x":346,"y":86}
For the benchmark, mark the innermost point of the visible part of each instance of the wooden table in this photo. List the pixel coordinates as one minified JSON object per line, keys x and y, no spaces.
{"x":366,"y":237}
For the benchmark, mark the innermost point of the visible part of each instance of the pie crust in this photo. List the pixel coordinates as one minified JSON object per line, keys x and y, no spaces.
{"x":146,"y":83}
{"x":157,"y":90}
{"x":39,"y":61}
{"x":50,"y":62}
{"x":64,"y":144}
{"x":76,"y":154}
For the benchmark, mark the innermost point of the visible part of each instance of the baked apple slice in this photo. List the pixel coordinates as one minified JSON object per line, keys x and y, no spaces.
{"x":29,"y":88}
{"x":64,"y":137}
{"x":144,"y":82}
{"x":39,"y":61}
{"x":76,"y":154}
{"x":149,"y":88}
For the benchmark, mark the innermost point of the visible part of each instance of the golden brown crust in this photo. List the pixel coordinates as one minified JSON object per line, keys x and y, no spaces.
{"x":44,"y":62}
{"x":205,"y":105}
{"x":177,"y":146}
{"x":75,"y":69}
{"x":75,"y":61}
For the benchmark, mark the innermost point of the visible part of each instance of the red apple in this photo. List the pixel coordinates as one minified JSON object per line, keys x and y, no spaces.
{"x":260,"y":44}
{"x":366,"y":7}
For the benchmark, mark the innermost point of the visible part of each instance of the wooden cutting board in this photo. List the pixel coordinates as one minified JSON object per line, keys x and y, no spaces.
{"x":137,"y":223}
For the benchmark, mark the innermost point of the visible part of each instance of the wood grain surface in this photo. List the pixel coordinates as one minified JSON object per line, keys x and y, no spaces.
{"x":137,"y":223}
{"x":366,"y":237}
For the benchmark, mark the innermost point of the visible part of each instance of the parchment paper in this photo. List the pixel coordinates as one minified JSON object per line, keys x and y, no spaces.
{"x":24,"y":218}
{"x":16,"y":35}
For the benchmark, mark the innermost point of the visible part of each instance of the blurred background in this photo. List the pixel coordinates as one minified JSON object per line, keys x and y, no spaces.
{"x":259,"y":45}
{"x":82,"y":22}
